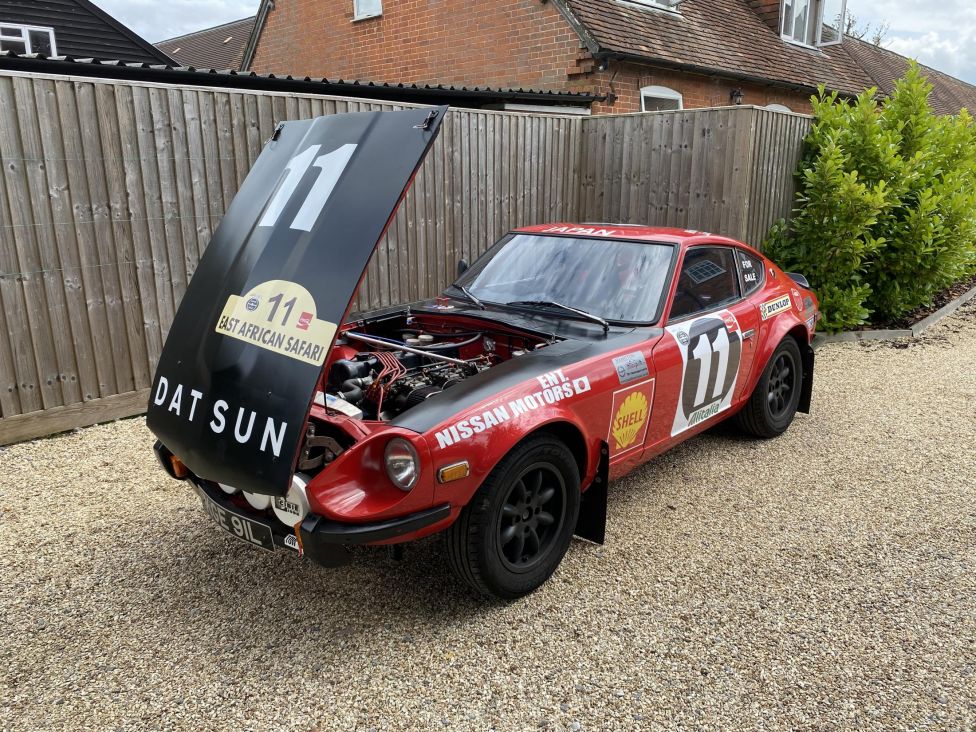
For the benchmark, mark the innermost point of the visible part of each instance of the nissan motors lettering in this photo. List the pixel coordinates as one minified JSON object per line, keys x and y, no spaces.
{"x":497,"y":414}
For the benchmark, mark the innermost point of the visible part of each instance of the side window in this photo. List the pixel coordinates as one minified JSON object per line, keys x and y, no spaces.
{"x":708,"y":279}
{"x":366,"y":9}
{"x":751,"y":269}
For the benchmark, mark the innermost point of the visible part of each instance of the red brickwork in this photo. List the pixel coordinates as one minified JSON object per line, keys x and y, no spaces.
{"x":506,"y":43}
{"x":697,"y":90}
{"x":768,"y":10}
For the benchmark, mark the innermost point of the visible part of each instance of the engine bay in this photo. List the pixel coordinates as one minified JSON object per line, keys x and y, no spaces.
{"x":380,"y":369}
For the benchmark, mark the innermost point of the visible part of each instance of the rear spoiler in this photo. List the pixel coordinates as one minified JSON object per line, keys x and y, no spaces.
{"x":799,"y":279}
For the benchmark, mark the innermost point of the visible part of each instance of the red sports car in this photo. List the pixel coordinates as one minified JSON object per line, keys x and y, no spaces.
{"x":561,"y":359}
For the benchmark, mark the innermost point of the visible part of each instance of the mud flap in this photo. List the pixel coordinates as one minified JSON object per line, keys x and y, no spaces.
{"x":592,"y":521}
{"x":806,"y":387}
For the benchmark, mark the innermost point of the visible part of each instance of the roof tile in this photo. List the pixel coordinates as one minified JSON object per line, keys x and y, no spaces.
{"x":220,"y":47}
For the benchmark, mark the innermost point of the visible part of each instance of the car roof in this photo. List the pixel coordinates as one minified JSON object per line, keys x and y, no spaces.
{"x":637,"y":232}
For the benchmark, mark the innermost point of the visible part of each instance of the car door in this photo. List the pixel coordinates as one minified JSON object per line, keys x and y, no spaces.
{"x":705,"y":357}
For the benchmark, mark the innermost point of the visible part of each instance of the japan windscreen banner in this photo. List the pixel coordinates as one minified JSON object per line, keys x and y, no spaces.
{"x":240,"y":365}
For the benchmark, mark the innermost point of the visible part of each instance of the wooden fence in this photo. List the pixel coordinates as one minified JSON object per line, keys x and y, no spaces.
{"x":726,"y":171}
{"x":110,"y":192}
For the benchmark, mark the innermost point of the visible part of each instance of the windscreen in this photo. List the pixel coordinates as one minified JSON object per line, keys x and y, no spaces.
{"x":617,"y":280}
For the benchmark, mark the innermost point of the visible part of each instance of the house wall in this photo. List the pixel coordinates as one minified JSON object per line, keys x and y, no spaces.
{"x":698,"y":90}
{"x":512,"y":44}
{"x":768,"y":10}
{"x":508,"y":43}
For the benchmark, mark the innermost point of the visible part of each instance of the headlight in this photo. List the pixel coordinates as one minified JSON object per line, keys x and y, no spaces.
{"x":257,"y":500}
{"x":402,"y":463}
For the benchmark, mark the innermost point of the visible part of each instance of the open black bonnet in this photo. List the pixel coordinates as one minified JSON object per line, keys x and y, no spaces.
{"x":244,"y":353}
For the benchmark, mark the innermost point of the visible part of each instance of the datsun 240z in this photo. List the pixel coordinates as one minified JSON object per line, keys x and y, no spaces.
{"x":561,"y":359}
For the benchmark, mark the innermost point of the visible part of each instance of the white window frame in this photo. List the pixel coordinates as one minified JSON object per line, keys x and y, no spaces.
{"x":358,"y":14}
{"x":24,"y":37}
{"x":779,"y":108}
{"x":661,"y":92}
{"x":840,"y":31}
{"x":670,"y":6}
{"x":818,"y":41}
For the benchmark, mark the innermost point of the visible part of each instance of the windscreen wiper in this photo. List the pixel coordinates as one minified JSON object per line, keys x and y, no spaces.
{"x":467,"y":293}
{"x":552,"y":303}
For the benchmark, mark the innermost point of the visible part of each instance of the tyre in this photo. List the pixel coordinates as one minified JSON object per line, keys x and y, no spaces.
{"x":512,"y":535}
{"x":772,"y":404}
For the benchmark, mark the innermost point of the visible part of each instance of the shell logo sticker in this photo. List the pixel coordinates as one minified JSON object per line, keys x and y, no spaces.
{"x":629,"y":419}
{"x":631,"y":411}
{"x":278,"y":316}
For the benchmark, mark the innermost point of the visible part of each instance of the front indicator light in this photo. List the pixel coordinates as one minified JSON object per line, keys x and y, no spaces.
{"x":180,"y":471}
{"x":402,"y":463}
{"x":456,"y":471}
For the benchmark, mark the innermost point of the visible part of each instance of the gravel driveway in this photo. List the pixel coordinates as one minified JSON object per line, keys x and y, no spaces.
{"x":823,"y":580}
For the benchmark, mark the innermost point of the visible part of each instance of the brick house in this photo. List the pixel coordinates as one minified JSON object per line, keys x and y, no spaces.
{"x":641,"y":54}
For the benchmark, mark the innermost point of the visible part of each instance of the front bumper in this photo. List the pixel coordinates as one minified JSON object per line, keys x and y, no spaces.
{"x":321,"y":540}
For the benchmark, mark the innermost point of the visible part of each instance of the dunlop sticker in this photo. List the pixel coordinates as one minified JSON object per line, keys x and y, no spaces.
{"x":774,"y":307}
{"x":278,"y":316}
{"x":631,"y":412}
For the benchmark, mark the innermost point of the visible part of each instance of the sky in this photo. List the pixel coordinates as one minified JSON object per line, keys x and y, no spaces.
{"x":941,"y":35}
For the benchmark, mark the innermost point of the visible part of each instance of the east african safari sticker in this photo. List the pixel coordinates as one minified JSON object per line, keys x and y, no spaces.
{"x":278,"y":316}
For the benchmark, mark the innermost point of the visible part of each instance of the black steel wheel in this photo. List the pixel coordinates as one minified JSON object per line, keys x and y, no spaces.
{"x":773,"y":403}
{"x":782,"y":384}
{"x":532,"y":513}
{"x":514,"y":532}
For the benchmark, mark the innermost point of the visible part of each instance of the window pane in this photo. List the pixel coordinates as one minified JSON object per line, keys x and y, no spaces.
{"x":752,"y":271}
{"x":832,"y":28}
{"x":801,"y":20}
{"x":13,"y":46}
{"x":40,"y":42}
{"x":368,"y":8}
{"x":787,"y":17}
{"x":660,"y":104}
{"x":708,"y":279}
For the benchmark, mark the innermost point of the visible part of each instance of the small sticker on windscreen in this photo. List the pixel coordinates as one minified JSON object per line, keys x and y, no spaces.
{"x":278,"y":316}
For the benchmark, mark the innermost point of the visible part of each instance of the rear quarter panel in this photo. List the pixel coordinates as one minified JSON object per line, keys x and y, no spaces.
{"x":798,"y":318}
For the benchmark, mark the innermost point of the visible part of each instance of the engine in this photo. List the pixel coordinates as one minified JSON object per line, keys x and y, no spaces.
{"x":388,"y":375}
{"x":380,"y":390}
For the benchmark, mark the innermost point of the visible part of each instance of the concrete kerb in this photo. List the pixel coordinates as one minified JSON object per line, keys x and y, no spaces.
{"x":892,"y":335}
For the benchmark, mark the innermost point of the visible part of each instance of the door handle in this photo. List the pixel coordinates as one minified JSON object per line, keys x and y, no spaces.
{"x":747,"y":334}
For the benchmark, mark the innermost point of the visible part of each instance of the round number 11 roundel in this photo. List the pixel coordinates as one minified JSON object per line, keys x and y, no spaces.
{"x":711,"y":350}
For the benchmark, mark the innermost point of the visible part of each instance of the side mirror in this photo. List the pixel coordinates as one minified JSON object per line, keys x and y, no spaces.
{"x":462,"y":267}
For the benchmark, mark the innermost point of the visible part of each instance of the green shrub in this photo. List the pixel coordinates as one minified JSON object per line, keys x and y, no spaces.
{"x":886,"y":206}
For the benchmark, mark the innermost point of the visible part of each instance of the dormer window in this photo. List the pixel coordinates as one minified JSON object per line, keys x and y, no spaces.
{"x":27,"y":39}
{"x":814,"y":22}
